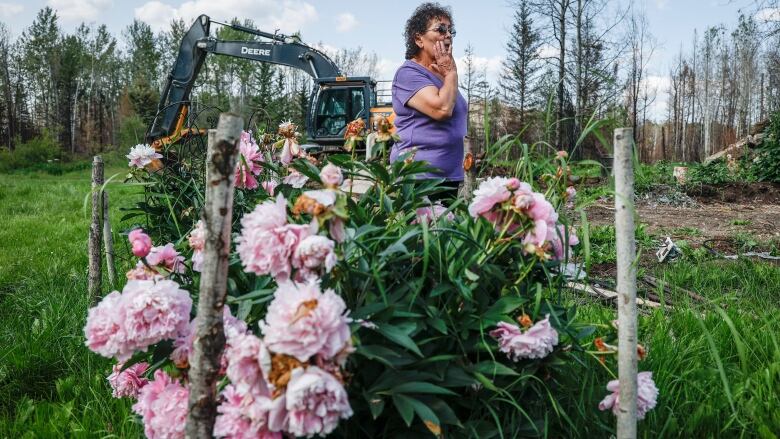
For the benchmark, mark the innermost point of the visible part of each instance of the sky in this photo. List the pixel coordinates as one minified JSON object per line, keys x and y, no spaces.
{"x":377,"y":26}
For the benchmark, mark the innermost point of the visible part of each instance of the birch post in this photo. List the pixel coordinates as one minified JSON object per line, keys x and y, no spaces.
{"x":626,"y":282}
{"x":108,"y":241}
{"x":95,"y":258}
{"x":209,"y":331}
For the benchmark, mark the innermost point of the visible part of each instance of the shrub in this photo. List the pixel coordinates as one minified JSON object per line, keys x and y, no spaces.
{"x":766,"y":164}
{"x":35,"y":153}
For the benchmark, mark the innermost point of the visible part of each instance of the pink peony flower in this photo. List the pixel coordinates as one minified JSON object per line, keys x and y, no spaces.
{"x":197,"y":242}
{"x":561,"y":154}
{"x":290,"y":150}
{"x":128,"y":382}
{"x":105,"y":329}
{"x":331,"y":175}
{"x":141,"y":242}
{"x":248,"y":363}
{"x":295,"y":179}
{"x":248,"y":164}
{"x":571,"y":193}
{"x":267,"y":215}
{"x":269,"y":252}
{"x":647,"y":395}
{"x":315,"y":402}
{"x":233,"y":327}
{"x":244,"y":416}
{"x":557,"y":235}
{"x":489,"y":193}
{"x":145,"y":313}
{"x":166,"y":257}
{"x":153,"y":311}
{"x":536,"y":342}
{"x":336,"y":229}
{"x":315,"y":252}
{"x":303,"y":321}
{"x":162,"y":405}
{"x":432,"y":214}
{"x":270,"y":186}
{"x":141,"y":155}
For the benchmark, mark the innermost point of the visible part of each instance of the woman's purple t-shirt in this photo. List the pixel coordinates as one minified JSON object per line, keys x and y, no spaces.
{"x":439,"y":143}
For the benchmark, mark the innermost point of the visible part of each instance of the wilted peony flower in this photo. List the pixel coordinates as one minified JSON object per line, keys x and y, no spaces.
{"x":331,"y":175}
{"x":536,"y":342}
{"x":295,"y":179}
{"x":244,"y":415}
{"x":561,"y":154}
{"x":141,"y":242}
{"x":432,"y":214}
{"x":647,"y":395}
{"x":489,"y":193}
{"x":248,"y":163}
{"x":145,"y":313}
{"x":141,"y":155}
{"x":557,"y":236}
{"x":315,"y":402}
{"x":162,"y":404}
{"x":142,"y":272}
{"x":336,"y":229}
{"x":303,"y":321}
{"x":128,"y":382}
{"x":315,"y":252}
{"x":166,"y":257}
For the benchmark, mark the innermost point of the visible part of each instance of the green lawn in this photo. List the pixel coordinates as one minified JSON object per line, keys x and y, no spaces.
{"x":717,"y":364}
{"x":50,"y":384}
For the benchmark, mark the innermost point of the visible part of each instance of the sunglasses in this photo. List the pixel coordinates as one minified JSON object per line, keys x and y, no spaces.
{"x":443,"y":29}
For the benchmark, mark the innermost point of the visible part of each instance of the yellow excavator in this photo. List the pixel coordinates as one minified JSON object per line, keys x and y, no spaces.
{"x":335,"y":100}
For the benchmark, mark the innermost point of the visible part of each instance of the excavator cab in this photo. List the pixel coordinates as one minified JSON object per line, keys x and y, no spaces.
{"x":335,"y":102}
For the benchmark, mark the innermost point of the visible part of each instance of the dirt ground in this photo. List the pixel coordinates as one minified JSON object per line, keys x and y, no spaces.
{"x":705,"y":212}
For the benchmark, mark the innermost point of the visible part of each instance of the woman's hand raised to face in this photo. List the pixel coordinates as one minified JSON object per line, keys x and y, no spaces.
{"x":443,"y":62}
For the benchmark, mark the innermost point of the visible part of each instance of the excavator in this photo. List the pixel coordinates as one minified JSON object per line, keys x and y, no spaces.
{"x":335,"y":100}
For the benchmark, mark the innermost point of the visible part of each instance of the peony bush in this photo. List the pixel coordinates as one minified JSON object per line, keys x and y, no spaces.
{"x":372,"y":315}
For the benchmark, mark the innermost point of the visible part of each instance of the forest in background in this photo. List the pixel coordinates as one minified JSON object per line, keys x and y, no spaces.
{"x":568,"y":63}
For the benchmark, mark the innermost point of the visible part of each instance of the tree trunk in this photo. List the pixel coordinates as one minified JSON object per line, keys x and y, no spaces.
{"x":209,"y":331}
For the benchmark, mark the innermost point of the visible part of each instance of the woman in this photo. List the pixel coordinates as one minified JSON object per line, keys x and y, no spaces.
{"x":430,"y":113}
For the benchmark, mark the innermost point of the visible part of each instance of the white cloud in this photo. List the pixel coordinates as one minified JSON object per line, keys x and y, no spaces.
{"x":547,"y":51}
{"x":490,"y":66}
{"x":657,"y":91}
{"x":661,"y":4}
{"x":8,"y":10}
{"x":79,"y":10}
{"x":345,"y":22}
{"x":286,"y":15}
{"x":768,"y":14}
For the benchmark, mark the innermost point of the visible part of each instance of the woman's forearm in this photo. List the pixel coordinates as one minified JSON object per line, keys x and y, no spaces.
{"x":449,"y":92}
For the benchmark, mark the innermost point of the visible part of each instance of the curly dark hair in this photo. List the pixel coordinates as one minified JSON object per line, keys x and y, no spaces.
{"x":418,"y":24}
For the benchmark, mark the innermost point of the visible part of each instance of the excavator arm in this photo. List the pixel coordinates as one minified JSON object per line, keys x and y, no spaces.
{"x":197,"y":43}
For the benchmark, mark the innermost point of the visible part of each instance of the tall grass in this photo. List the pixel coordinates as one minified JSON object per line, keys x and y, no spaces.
{"x":50,"y":384}
{"x":717,"y":364}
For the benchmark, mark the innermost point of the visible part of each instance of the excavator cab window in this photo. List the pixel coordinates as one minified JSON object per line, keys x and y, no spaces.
{"x":336,"y":107}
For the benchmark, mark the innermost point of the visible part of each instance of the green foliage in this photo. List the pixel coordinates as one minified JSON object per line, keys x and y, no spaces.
{"x":716,"y":172}
{"x":131,"y":132}
{"x":646,"y":177}
{"x":602,"y":243}
{"x":34,"y":153}
{"x":766,"y":165}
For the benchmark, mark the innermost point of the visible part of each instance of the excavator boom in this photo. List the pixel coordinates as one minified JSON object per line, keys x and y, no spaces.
{"x":197,"y":43}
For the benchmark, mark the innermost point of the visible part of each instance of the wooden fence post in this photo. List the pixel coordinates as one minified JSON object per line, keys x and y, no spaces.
{"x":108,"y":242}
{"x":95,"y":259}
{"x":626,"y":281}
{"x":469,"y":170}
{"x":209,"y":332}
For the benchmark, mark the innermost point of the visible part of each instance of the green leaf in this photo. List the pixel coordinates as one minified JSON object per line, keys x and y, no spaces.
{"x":471,"y":275}
{"x":422,"y":387}
{"x":438,"y":324}
{"x":375,"y":403}
{"x":378,"y":353}
{"x":493,"y":368}
{"x":505,"y":305}
{"x":396,"y":335}
{"x":427,"y":415}
{"x":405,"y":409}
{"x":485,"y":381}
